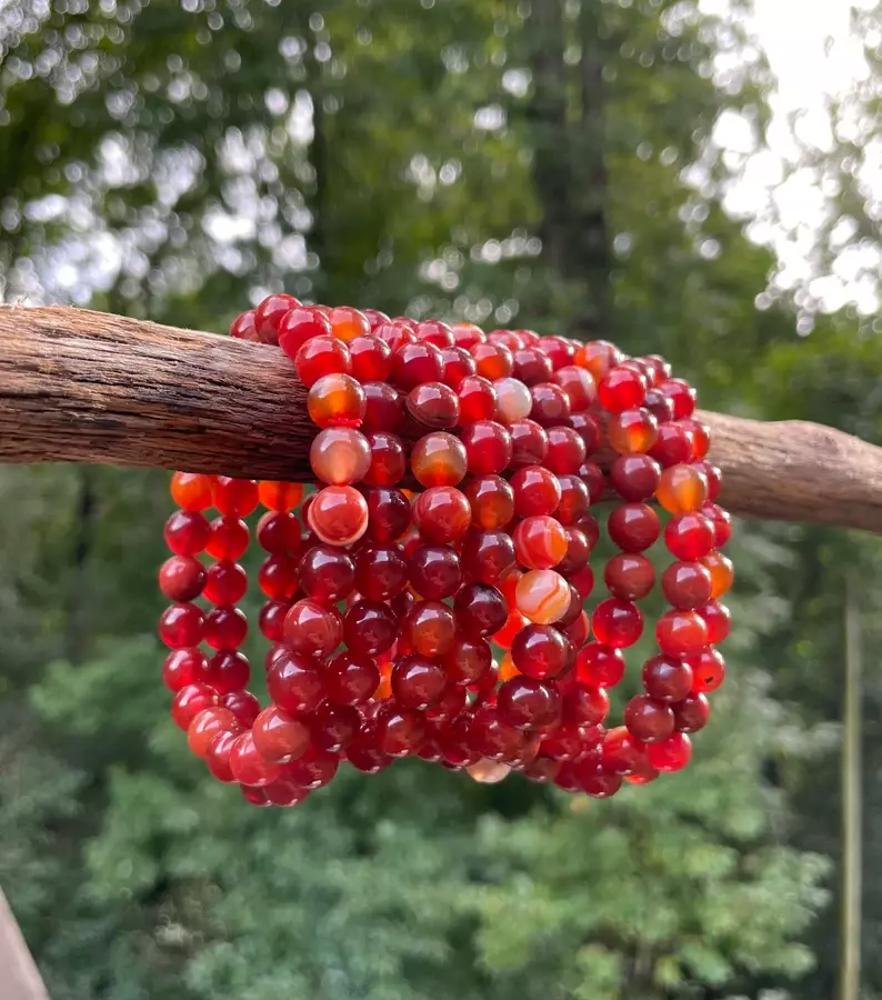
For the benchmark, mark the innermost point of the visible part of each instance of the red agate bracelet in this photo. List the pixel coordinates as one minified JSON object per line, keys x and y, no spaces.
{"x":427,"y":598}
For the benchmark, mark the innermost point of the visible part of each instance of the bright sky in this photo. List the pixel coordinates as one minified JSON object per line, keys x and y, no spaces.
{"x":814,"y":56}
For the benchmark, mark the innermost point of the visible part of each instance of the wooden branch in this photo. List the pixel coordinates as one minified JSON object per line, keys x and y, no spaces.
{"x":82,"y":386}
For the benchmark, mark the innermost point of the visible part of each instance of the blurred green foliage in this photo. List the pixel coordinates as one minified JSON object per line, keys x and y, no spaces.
{"x":176,"y":160}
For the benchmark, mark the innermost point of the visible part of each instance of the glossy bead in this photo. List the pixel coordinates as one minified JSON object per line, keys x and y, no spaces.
{"x":279,"y":496}
{"x":598,"y":665}
{"x":456,"y":365}
{"x":243,"y":327}
{"x":217,"y":755}
{"x":314,"y":769}
{"x":633,"y":527}
{"x":629,"y":575}
{"x":388,"y":462}
{"x":692,"y":714}
{"x":488,"y":447}
{"x":380,"y":572}
{"x":396,"y":332}
{"x":598,"y":356}
{"x":370,"y":359}
{"x":596,"y":782}
{"x":400,"y":731}
{"x":466,"y":335}
{"x":295,"y":682}
{"x":566,"y":450}
{"x":336,"y":401}
{"x":537,"y":491}
{"x":681,"y":394}
{"x":414,"y":364}
{"x":634,"y":477}
{"x":529,"y":443}
{"x":279,"y":533}
{"x":243,"y":705}
{"x":181,"y":625}
{"x":433,"y":404}
{"x":541,"y":651}
{"x":721,"y":573}
{"x":486,"y":556}
{"x":186,"y":533}
{"x":717,"y":619}
{"x":621,"y":389}
{"x":632,"y":431}
{"x":587,"y":426}
{"x":182,"y":667}
{"x":321,"y":356}
{"x":617,"y":623}
{"x":526,"y":703}
{"x":681,"y":489}
{"x":532,"y":366}
{"x":350,"y":679}
{"x":468,"y":659}
{"x":279,"y":737}
{"x":383,"y":407}
{"x":667,"y":679}
{"x":647,"y":720}
{"x":312,"y":629}
{"x":435,"y":571}
{"x":269,"y":314}
{"x":208,"y":724}
{"x":191,"y":491}
{"x":298,"y":326}
{"x":560,"y":350}
{"x":714,"y":476}
{"x":277,"y":577}
{"x":227,"y":671}
{"x":417,"y":682}
{"x":687,"y":585}
{"x":583,"y":581}
{"x":225,"y":627}
{"x":671,"y":754}
{"x":513,"y":400}
{"x":578,"y":386}
{"x":681,"y":633}
{"x":480,"y":609}
{"x":272,"y":618}
{"x":369,"y":628}
{"x":578,"y":552}
{"x":327,"y":574}
{"x":542,"y":595}
{"x":708,"y":671}
{"x":341,"y":456}
{"x":592,"y":476}
{"x":540,"y":542}
{"x":389,"y":514}
{"x":673,"y":445}
{"x":348,"y":323}
{"x":550,"y":404}
{"x":228,"y":538}
{"x":189,"y":701}
{"x":248,"y":765}
{"x":181,"y":578}
{"x":477,"y":399}
{"x":493,"y":361}
{"x":721,"y":521}
{"x":620,"y":752}
{"x":338,"y":515}
{"x":442,"y":514}
{"x":491,"y":736}
{"x":234,"y":497}
{"x":690,"y":536}
{"x":438,"y":459}
{"x":491,"y":501}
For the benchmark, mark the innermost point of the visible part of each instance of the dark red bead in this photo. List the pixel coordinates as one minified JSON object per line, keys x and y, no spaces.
{"x":228,"y":670}
{"x":529,"y":443}
{"x":666,"y":678}
{"x":413,"y":364}
{"x":417,"y":682}
{"x":541,"y":651}
{"x":380,"y":572}
{"x":629,"y":575}
{"x":550,"y":404}
{"x":388,"y":462}
{"x":526,"y":703}
{"x":691,"y":714}
{"x":616,"y":622}
{"x":295,"y":682}
{"x":350,"y":679}
{"x":488,"y":447}
{"x":486,"y":556}
{"x":269,"y":314}
{"x":468,"y":659}
{"x":186,"y":532}
{"x":435,"y":571}
{"x":369,"y":627}
{"x":633,"y":527}
{"x":718,"y":621}
{"x":687,"y":585}
{"x":383,"y":407}
{"x":181,"y":626}
{"x":181,"y":578}
{"x":681,"y":633}
{"x":634,"y":477}
{"x":480,"y":609}
{"x":182,"y":667}
{"x":647,"y":720}
{"x":689,"y":536}
{"x":279,"y":532}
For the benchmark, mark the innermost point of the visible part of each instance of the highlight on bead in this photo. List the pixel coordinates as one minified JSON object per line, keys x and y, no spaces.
{"x":436,"y":590}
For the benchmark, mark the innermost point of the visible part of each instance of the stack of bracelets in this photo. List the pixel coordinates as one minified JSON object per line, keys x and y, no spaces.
{"x":426,"y":595}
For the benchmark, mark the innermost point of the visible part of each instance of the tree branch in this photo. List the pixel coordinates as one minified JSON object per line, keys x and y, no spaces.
{"x":83,"y":386}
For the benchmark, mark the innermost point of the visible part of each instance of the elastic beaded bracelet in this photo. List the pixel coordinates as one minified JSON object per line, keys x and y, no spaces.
{"x":426,"y":593}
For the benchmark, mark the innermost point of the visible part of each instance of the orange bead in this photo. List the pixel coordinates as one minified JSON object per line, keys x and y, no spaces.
{"x":540,"y":542}
{"x":206,"y":725}
{"x":338,"y":515}
{"x":275,"y":495}
{"x":492,"y":502}
{"x":598,"y":356}
{"x":632,"y":432}
{"x":340,"y":456}
{"x":681,"y":489}
{"x":721,"y":571}
{"x":348,"y":323}
{"x":191,"y":491}
{"x":336,"y":400}
{"x":543,"y":596}
{"x":438,"y":459}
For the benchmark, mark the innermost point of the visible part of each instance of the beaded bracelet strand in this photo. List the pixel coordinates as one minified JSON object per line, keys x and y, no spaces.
{"x":455,"y":476}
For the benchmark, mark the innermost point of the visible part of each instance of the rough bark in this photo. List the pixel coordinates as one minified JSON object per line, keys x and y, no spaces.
{"x":82,"y":386}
